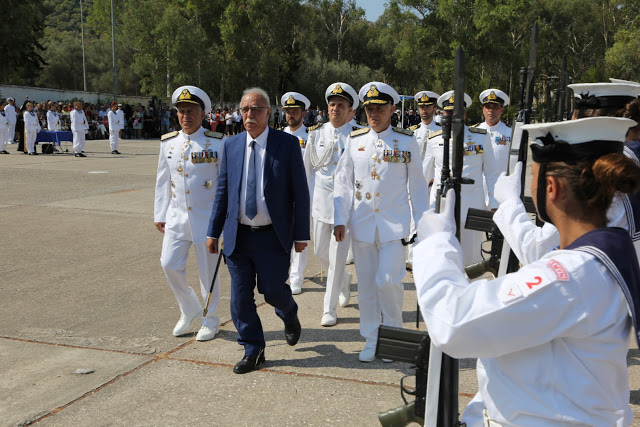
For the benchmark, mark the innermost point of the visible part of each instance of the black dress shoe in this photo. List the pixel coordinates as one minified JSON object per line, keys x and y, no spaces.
{"x":249,"y":363}
{"x":292,"y":332}
{"x":80,"y":155}
{"x":115,"y":152}
{"x":4,"y":152}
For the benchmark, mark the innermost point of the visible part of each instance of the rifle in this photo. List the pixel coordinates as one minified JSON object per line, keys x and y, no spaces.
{"x":406,"y":345}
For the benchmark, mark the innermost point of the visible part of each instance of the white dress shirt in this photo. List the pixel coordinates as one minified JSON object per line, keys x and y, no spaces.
{"x":260,"y":147}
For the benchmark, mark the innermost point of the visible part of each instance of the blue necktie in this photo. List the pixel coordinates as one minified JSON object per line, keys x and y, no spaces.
{"x":251,"y":208}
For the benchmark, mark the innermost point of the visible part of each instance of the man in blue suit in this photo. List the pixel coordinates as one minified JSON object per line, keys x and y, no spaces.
{"x":262,"y":201}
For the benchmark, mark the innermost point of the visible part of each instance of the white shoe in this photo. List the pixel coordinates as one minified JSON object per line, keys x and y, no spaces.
{"x":329,"y":319}
{"x":368,"y":353}
{"x":345,"y":295}
{"x":387,"y":360}
{"x":206,"y":333}
{"x":185,"y":322}
{"x":296,"y":289}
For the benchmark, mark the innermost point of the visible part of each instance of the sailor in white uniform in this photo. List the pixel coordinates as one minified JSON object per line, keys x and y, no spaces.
{"x":477,"y":163}
{"x":11,"y":113}
{"x":493,"y":102}
{"x":79,"y":128}
{"x":551,"y":339}
{"x":294,"y":105}
{"x":120,"y":113}
{"x":325,"y":145}
{"x":379,"y":184}
{"x":426,"y":100}
{"x":31,"y":129}
{"x":115,"y":124}
{"x":188,"y":169}
{"x":4,"y":129}
{"x":53,"y":118}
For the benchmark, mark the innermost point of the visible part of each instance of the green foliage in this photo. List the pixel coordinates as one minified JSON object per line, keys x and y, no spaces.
{"x":304,"y":45}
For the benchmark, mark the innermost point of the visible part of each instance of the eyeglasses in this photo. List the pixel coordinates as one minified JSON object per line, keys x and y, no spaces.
{"x":255,"y":109}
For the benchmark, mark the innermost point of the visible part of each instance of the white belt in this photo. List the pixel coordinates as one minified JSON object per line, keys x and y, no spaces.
{"x":488,"y":422}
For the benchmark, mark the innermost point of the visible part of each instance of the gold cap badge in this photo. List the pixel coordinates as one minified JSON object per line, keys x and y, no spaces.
{"x":337,"y":89}
{"x":451,"y":100}
{"x":184,"y":95}
{"x":291,"y":100}
{"x":492,"y":96}
{"x":424,"y":98}
{"x":373,"y":92}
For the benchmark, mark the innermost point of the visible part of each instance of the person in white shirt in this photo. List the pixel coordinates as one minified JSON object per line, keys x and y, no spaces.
{"x":4,"y":129}
{"x":294,"y":104}
{"x":325,"y":145}
{"x":31,"y":129}
{"x":493,"y":103}
{"x":379,"y":185}
{"x":53,"y":118}
{"x":115,"y":124}
{"x":11,"y":113}
{"x":79,"y":127}
{"x":552,"y":338}
{"x":123,"y":123}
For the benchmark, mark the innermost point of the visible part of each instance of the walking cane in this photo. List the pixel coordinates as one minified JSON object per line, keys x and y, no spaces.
{"x":213,"y":281}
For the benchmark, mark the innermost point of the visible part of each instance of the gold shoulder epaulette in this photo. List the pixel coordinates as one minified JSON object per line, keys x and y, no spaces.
{"x":169,"y":135}
{"x":414,"y":127}
{"x":213,"y":134}
{"x":403,"y":131}
{"x":314,"y":127}
{"x":434,"y":134}
{"x":359,"y":132}
{"x":478,"y":130}
{"x":473,"y":126}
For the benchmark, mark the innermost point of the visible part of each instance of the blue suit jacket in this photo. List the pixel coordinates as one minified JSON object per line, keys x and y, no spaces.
{"x":285,"y":190}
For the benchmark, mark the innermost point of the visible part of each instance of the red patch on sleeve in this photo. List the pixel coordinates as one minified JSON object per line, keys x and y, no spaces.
{"x":559,"y":270}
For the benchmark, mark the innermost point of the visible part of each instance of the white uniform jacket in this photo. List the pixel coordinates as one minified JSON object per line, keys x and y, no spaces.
{"x":301,"y":134}
{"x":78,"y":121}
{"x":500,"y":137}
{"x":376,"y":175}
{"x":4,"y":124}
{"x":53,"y":120}
{"x":421,"y":132}
{"x":542,"y":336}
{"x":31,"y":123}
{"x":188,"y":169}
{"x":12,"y":114}
{"x":120,"y":114}
{"x":114,"y":121}
{"x":321,"y":155}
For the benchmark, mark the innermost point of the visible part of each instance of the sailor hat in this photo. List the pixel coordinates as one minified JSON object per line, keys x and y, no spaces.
{"x":623,"y":81}
{"x":192,"y":95}
{"x":576,"y":139}
{"x":604,"y":95}
{"x":378,"y":93}
{"x":426,"y":97}
{"x":10,"y":99}
{"x":446,"y":101}
{"x":343,"y":90}
{"x":294,"y":100}
{"x":495,"y":96}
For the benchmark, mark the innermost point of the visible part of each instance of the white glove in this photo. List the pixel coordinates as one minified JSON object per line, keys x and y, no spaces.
{"x":508,"y":187}
{"x":432,"y":222}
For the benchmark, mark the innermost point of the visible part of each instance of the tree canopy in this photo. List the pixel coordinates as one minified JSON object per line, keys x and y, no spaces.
{"x":305,"y":45}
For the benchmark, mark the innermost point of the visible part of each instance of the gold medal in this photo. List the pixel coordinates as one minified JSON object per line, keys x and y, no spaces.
{"x":208,"y":184}
{"x":358,"y":195}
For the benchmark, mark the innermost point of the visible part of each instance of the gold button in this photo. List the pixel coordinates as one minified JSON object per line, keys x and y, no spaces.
{"x":186,"y":175}
{"x":377,"y":210}
{"x":335,"y":163}
{"x":378,"y":177}
{"x":189,"y":207}
{"x":335,"y":149}
{"x":377,"y":194}
{"x":187,"y":192}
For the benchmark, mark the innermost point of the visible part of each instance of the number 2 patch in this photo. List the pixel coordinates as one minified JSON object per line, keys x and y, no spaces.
{"x":524,"y":285}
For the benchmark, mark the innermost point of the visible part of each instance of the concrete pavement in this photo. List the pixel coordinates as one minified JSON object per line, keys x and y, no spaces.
{"x":82,"y":290}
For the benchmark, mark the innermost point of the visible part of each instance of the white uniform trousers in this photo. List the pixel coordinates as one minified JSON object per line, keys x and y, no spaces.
{"x":380,"y":269}
{"x":4,"y":132}
{"x":333,"y":257}
{"x":298,"y":264}
{"x":30,"y":140}
{"x":78,"y":141}
{"x":113,"y":139}
{"x":174,"y":260}
{"x":11,"y":133}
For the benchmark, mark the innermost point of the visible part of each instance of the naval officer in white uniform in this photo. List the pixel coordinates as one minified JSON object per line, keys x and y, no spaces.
{"x":477,"y":163}
{"x":4,"y":129}
{"x":53,"y":118}
{"x":79,"y":128}
{"x":115,"y":124}
{"x":188,"y":169}
{"x":294,"y":105}
{"x":551,"y":339}
{"x":493,"y":103}
{"x":325,"y":145}
{"x":379,"y":184}
{"x":31,"y":129}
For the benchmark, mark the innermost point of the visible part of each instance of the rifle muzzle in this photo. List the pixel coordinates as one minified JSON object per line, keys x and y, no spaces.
{"x":401,"y":416}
